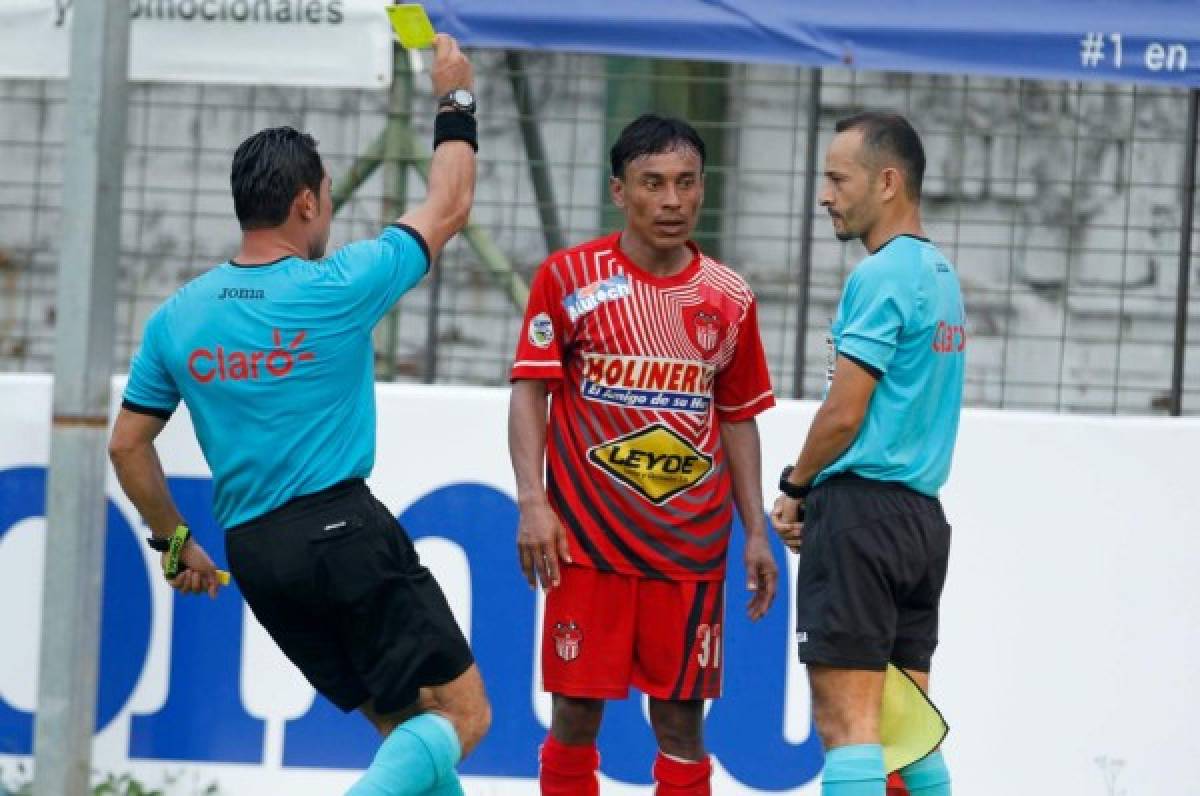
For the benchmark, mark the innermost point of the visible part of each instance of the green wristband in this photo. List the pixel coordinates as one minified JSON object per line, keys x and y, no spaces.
{"x":171,"y":567}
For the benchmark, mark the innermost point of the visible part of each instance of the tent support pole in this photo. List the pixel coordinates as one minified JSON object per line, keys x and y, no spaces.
{"x":806,"y":232}
{"x":1185,"y":253}
{"x":535,"y":152}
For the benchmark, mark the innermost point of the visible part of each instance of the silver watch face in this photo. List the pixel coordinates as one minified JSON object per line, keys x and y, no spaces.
{"x":462,"y":97}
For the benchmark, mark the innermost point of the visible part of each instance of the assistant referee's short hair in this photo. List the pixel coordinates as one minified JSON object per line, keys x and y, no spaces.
{"x":650,"y":134}
{"x":269,"y":170}
{"x":890,"y":136}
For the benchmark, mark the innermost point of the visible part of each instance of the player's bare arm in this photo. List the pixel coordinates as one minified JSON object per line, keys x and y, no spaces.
{"x":541,"y":540}
{"x":140,"y":472}
{"x":452,"y":169}
{"x":743,"y":451}
{"x":834,"y":427}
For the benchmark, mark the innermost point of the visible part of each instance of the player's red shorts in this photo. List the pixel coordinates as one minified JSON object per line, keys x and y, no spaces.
{"x":605,"y":631}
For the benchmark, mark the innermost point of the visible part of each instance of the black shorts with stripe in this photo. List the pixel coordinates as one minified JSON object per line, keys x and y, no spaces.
{"x":336,"y":582}
{"x":872,"y":566}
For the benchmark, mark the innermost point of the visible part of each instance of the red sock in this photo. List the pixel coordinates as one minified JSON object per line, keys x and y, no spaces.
{"x":568,"y":770}
{"x":682,"y":777}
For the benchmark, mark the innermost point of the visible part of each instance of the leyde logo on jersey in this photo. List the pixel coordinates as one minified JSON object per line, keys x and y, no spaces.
{"x":588,"y":298}
{"x":655,"y":462}
{"x":653,"y":383}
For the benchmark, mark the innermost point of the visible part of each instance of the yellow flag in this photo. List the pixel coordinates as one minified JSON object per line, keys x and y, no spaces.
{"x":412,"y":25}
{"x":910,"y":726}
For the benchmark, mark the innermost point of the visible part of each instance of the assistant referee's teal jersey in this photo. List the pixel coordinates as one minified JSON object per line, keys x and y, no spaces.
{"x":901,"y":317}
{"x":276,"y":366}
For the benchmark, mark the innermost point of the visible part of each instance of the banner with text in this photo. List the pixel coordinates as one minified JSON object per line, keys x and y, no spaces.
{"x":1067,"y":660}
{"x":322,"y":43}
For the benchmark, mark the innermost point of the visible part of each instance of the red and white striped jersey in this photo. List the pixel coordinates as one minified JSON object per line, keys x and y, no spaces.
{"x":641,"y":370}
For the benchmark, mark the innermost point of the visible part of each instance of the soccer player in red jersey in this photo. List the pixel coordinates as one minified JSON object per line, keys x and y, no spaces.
{"x":651,"y":356}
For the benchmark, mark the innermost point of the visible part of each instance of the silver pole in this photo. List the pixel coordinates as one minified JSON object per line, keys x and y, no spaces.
{"x":806,"y":233}
{"x":94,"y":157}
{"x":1182,"y":291}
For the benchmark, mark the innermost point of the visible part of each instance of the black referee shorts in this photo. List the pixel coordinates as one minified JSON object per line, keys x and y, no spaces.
{"x":337,"y":583}
{"x":872,"y":566}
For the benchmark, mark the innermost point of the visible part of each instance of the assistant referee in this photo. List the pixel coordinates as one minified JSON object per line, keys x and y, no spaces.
{"x":271,"y":352}
{"x":860,"y":504}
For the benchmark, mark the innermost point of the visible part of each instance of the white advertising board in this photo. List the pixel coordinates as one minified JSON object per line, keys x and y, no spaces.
{"x":1069,"y":632}
{"x":320,"y":43}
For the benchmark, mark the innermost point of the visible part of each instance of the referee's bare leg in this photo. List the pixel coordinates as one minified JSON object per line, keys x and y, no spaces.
{"x":444,"y":725}
{"x":846,"y":704}
{"x":463,"y":702}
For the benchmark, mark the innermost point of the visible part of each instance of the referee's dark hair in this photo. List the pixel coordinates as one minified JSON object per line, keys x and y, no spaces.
{"x":269,"y":170}
{"x":890,"y":136}
{"x":650,"y":134}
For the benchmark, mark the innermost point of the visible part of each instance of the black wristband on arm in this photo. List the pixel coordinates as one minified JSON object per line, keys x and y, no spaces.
{"x":455,"y":126}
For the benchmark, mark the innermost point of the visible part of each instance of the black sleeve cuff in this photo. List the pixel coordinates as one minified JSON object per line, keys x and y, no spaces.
{"x":165,"y":414}
{"x":420,"y":242}
{"x":873,"y":371}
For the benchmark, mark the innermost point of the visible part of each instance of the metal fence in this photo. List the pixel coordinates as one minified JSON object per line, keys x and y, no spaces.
{"x":1060,"y":203}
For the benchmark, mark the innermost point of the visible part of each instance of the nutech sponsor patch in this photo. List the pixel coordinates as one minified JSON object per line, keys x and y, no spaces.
{"x":588,"y":298}
{"x":675,"y":385}
{"x":655,"y":462}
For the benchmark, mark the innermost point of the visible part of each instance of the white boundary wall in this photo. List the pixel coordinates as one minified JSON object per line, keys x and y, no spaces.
{"x":1069,"y":635}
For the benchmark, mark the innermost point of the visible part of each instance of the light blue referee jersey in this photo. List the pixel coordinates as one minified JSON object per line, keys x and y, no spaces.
{"x":276,"y":366}
{"x":901,"y":317}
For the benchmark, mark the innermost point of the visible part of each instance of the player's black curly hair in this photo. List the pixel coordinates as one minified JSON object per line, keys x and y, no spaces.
{"x":889,"y":136}
{"x":269,"y":169}
{"x":651,"y":134}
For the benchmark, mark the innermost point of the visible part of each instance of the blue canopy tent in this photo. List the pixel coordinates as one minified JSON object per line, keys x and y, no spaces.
{"x":1140,"y":41}
{"x":1147,"y":41}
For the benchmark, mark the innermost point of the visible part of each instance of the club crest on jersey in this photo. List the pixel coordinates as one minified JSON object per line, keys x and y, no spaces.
{"x":656,"y":462}
{"x":705,"y":325}
{"x":650,"y":383}
{"x":568,"y":638}
{"x":588,"y":298}
{"x":541,"y":330}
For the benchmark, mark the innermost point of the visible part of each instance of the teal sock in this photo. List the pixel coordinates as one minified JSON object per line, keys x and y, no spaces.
{"x":928,"y":776}
{"x":854,"y":771}
{"x":417,"y":759}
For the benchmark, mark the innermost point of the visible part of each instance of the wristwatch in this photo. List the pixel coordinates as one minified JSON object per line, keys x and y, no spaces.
{"x":794,"y":491}
{"x":460,"y":99}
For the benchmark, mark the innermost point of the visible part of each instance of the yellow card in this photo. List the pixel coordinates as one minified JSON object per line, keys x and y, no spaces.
{"x":412,"y":25}
{"x":223,"y":577}
{"x":910,"y":727}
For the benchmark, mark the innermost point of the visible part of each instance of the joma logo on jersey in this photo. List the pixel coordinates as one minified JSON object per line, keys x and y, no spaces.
{"x":588,"y":298}
{"x":648,"y":382}
{"x":206,"y":364}
{"x":655,"y":462}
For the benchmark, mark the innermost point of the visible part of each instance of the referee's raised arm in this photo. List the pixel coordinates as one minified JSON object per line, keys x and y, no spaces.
{"x":451,"y":189}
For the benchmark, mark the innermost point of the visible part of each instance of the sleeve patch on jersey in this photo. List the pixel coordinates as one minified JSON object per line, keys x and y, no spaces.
{"x":541,"y":330}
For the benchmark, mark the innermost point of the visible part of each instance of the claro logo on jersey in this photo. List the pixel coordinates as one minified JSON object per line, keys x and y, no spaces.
{"x":648,"y":382}
{"x":655,"y":462}
{"x":949,"y":338}
{"x":588,"y":298}
{"x":206,"y":364}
